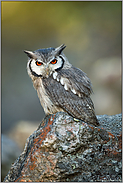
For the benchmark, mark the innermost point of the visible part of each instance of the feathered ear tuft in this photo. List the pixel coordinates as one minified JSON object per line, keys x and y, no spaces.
{"x":59,"y":49}
{"x":30,"y":54}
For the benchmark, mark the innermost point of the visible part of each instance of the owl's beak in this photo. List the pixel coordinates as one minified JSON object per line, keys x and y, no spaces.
{"x":47,"y":71}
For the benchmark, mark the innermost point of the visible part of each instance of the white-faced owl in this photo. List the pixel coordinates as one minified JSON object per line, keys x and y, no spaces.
{"x":61,"y":86}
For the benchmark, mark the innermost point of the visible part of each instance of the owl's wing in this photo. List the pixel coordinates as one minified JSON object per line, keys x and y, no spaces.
{"x":78,"y":80}
{"x":78,"y":107}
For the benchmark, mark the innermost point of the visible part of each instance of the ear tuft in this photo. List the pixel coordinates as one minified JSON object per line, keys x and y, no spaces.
{"x":30,"y":54}
{"x":59,"y":49}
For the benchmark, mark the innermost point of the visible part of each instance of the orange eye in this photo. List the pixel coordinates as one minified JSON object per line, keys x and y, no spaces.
{"x":53,"y":61}
{"x":38,"y":63}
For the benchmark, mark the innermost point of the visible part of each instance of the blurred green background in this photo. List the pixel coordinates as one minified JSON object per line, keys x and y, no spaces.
{"x":91,"y":31}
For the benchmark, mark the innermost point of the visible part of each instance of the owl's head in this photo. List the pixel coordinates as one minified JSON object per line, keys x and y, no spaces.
{"x":44,"y":62}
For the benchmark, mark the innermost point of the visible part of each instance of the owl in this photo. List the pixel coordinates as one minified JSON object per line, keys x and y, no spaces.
{"x":61,"y":86}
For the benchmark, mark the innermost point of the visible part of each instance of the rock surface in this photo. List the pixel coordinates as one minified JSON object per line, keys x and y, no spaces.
{"x":65,"y":149}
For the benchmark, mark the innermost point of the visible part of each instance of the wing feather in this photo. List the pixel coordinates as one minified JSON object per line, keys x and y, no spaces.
{"x":78,"y":80}
{"x":78,"y":107}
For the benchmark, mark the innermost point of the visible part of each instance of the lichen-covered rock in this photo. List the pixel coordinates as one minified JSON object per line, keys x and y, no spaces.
{"x":66,"y":149}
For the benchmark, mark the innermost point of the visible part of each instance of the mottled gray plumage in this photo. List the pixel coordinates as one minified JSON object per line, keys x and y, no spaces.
{"x":60,"y":86}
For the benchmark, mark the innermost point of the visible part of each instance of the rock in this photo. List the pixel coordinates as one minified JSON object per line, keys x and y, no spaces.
{"x":65,"y":149}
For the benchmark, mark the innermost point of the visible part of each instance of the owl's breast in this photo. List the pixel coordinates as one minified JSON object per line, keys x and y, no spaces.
{"x":46,"y":102}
